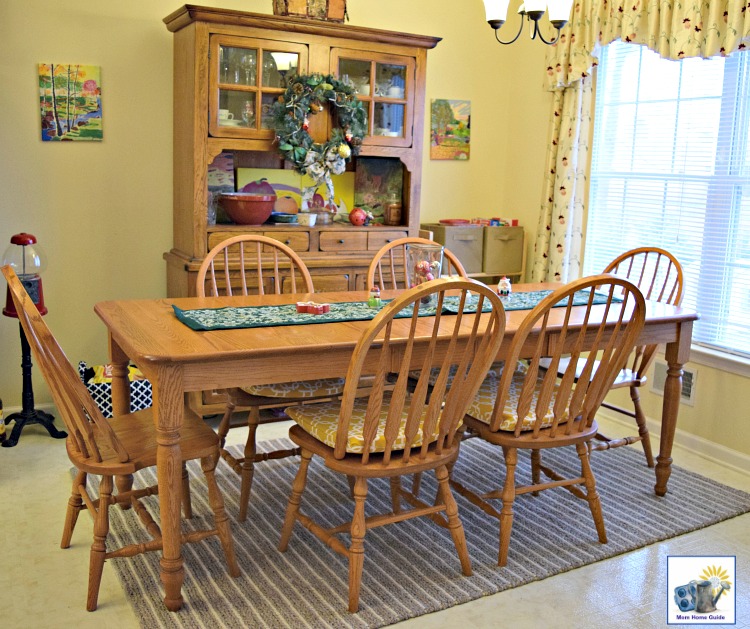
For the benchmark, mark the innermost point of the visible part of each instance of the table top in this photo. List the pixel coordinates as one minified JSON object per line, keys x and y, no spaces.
{"x":150,"y":334}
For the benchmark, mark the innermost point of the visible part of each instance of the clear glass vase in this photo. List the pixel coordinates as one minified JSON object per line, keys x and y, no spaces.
{"x":423,"y":263}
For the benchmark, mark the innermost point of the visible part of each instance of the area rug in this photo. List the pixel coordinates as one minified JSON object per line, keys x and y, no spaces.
{"x":410,"y":568}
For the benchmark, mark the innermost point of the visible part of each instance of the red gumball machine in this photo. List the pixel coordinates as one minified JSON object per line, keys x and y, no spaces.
{"x":28,"y":261}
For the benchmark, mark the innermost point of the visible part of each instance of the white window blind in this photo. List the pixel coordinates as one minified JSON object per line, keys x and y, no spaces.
{"x":671,"y":168}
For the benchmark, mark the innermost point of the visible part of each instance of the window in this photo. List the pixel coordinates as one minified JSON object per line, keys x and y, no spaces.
{"x":671,"y":168}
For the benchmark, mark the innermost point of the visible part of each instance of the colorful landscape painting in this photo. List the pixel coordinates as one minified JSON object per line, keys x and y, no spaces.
{"x":70,"y":102}
{"x":450,"y":126}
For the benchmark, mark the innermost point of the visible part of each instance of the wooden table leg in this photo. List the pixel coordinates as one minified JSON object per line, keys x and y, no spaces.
{"x":168,"y":415}
{"x":120,"y":402}
{"x":676,"y":354}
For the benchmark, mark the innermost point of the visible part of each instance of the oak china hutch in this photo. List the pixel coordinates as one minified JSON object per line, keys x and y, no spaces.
{"x":229,"y":68}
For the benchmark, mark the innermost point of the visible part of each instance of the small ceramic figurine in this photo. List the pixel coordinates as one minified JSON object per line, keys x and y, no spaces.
{"x":503,"y":287}
{"x":374,"y":301}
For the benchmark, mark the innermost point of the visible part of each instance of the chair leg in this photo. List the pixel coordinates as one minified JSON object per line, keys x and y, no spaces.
{"x":395,"y":494}
{"x":357,"y":547}
{"x":294,"y":500}
{"x":640,"y":419}
{"x":591,"y":494}
{"x":454,"y":522}
{"x":221,"y":520}
{"x":99,"y":547}
{"x":248,"y":464}
{"x":75,"y":504}
{"x":509,"y":496}
{"x":536,"y":469}
{"x":187,"y":503}
{"x":226,"y":420}
{"x":416,"y":481}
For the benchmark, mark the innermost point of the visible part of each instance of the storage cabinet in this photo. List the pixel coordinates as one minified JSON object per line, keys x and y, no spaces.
{"x":229,"y":68}
{"x":487,"y":253}
{"x":504,"y":251}
{"x":465,"y":242}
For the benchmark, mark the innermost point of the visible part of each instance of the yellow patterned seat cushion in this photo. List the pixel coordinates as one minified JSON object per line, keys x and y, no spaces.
{"x":496,"y":370}
{"x":321,"y":421}
{"x":484,"y":403}
{"x":304,"y":389}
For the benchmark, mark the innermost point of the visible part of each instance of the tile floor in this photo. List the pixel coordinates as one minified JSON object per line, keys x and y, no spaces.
{"x":45,"y":587}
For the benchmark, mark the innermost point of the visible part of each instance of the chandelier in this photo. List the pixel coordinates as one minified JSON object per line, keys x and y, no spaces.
{"x":533,"y":10}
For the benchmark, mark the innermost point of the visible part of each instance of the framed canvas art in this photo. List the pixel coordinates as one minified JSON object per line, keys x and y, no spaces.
{"x":70,"y":102}
{"x":450,"y":129}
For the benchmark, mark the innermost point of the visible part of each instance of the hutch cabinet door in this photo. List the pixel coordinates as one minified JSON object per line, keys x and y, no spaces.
{"x":246,"y":76}
{"x":385,"y":85}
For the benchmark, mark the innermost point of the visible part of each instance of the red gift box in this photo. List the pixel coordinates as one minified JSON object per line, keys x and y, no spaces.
{"x":310,"y":307}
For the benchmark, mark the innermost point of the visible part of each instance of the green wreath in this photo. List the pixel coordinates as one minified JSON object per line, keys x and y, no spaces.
{"x":305,"y":96}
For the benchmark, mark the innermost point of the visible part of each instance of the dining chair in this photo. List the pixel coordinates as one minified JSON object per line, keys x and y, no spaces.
{"x":394,"y":432}
{"x":253,"y":264}
{"x":387,"y":269}
{"x":119,"y":446}
{"x":530,"y":409}
{"x":659,"y":276}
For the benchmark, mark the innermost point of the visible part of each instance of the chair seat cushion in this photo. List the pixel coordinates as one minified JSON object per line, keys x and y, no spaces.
{"x":321,"y":421}
{"x":304,"y":389}
{"x":496,"y":370}
{"x":484,"y":403}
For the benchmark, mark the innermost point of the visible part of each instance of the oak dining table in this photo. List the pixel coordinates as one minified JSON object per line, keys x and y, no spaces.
{"x":177,"y":360}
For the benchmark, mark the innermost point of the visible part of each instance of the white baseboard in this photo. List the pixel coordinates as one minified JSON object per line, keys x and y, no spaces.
{"x":716,"y":453}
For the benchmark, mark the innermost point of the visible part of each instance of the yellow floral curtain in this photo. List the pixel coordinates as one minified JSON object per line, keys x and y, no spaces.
{"x":674,"y":30}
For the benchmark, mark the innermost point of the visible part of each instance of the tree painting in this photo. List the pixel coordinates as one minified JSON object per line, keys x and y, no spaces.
{"x":450,"y":129}
{"x":70,"y":102}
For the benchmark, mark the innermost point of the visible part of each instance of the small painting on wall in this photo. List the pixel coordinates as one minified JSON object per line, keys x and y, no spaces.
{"x":70,"y":102}
{"x":450,"y":129}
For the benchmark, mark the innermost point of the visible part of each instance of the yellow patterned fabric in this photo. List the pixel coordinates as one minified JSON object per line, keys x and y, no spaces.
{"x":321,"y":421}
{"x":484,"y":403}
{"x":496,"y":370}
{"x":304,"y":389}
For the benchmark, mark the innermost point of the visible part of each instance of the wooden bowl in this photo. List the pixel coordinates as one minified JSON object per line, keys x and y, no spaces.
{"x":245,"y":208}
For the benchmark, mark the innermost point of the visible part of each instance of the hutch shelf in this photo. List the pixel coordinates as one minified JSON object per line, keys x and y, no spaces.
{"x":229,"y":67}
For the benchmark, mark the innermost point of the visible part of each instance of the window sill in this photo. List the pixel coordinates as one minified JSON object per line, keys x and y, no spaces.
{"x":720,"y":360}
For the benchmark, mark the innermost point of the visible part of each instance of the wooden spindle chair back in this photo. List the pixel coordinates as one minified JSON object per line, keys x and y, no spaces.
{"x":387,"y":270}
{"x":659,"y":276}
{"x":89,"y":432}
{"x":456,"y":358}
{"x":244,"y":265}
{"x":598,"y":351}
{"x":95,"y":446}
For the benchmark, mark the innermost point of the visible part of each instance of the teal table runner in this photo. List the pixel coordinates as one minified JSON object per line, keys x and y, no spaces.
{"x":272,"y":316}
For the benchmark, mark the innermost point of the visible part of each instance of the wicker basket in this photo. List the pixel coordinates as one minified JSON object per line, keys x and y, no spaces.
{"x":330,"y":10}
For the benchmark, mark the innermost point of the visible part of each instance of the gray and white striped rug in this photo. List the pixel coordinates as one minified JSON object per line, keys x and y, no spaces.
{"x":410,"y":568}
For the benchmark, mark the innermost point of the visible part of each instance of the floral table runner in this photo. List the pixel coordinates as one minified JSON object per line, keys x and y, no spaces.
{"x":271,"y":316}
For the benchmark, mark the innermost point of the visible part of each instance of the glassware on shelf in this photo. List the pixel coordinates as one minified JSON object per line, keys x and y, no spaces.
{"x":224,"y":66}
{"x":248,"y":113}
{"x":271,"y":76}
{"x":249,"y":68}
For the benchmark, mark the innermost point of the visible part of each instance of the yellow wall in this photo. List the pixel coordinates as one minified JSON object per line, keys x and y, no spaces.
{"x":103,"y":211}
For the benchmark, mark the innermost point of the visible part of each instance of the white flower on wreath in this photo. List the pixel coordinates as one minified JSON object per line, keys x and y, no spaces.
{"x":334,"y":162}
{"x":314,"y":166}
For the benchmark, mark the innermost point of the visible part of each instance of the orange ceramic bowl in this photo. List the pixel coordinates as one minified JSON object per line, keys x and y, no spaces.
{"x":248,"y":209}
